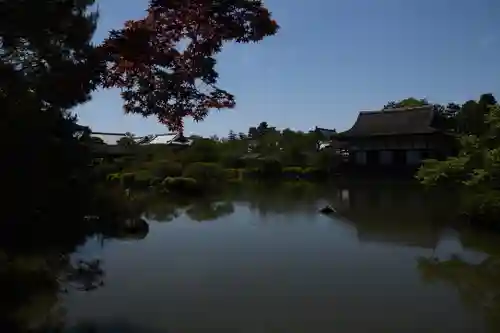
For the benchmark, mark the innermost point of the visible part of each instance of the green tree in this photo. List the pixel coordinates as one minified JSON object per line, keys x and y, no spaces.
{"x":406,"y":103}
{"x":126,"y":141}
{"x":475,"y":171}
{"x":47,"y":66}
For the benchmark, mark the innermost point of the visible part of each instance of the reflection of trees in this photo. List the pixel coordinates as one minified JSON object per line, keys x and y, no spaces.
{"x":209,"y":211}
{"x":163,"y":209}
{"x":282,"y":198}
{"x":477,"y":284}
{"x":134,"y":228}
{"x":394,"y":212}
{"x":118,"y":326}
{"x":30,"y":287}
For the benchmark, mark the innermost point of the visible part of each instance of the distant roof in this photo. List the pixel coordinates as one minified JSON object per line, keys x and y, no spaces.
{"x":416,"y":120}
{"x":109,"y":133}
{"x":108,"y":138}
{"x":326,"y":132}
{"x":170,"y":139}
{"x":163,"y":138}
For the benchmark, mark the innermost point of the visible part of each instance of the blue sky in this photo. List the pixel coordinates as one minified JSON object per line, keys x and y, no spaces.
{"x":332,"y":59}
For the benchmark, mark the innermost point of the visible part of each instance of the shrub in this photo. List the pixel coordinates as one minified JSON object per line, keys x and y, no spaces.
{"x":167,"y":168}
{"x":269,"y":167}
{"x":180,"y":184}
{"x":482,"y":207}
{"x":128,"y":179}
{"x":205,"y":173}
{"x":314,"y":173}
{"x":250,"y":173}
{"x":143,"y":178}
{"x":101,"y":171}
{"x":155,"y":181}
{"x":232,"y":161}
{"x":114,"y":177}
{"x":233,"y":174}
{"x":293,"y":173}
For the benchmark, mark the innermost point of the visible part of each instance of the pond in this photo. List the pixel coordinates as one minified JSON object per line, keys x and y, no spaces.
{"x":262,"y":259}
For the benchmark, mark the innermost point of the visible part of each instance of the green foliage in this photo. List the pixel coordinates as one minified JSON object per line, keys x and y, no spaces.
{"x":202,"y":150}
{"x":269,"y":168}
{"x":143,"y":179}
{"x":128,"y":179}
{"x":47,"y":66}
{"x":232,"y":161}
{"x":126,"y":142}
{"x":103,"y":170}
{"x":167,"y":168}
{"x":114,"y":178}
{"x":312,"y":173}
{"x":406,"y":103}
{"x":475,"y":171}
{"x":233,"y":174}
{"x":293,"y":173}
{"x":181,"y":185}
{"x":206,"y":174}
{"x":325,"y":159}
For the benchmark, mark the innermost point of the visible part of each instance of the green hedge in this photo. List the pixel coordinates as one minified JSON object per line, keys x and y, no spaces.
{"x":269,"y":167}
{"x":143,"y":179}
{"x":233,"y":174}
{"x":205,"y":173}
{"x":182,"y":185}
{"x":288,"y":173}
{"x":293,"y":173}
{"x":128,"y":179}
{"x":166,"y":168}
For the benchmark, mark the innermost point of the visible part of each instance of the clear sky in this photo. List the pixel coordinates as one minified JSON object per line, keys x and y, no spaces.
{"x":332,"y":59}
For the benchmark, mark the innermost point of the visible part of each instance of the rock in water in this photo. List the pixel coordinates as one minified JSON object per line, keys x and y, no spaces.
{"x":327,"y":210}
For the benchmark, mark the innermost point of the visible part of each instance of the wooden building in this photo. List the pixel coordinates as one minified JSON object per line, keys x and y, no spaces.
{"x":396,"y":137}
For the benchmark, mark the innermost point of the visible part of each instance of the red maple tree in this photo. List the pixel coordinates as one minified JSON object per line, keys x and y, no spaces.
{"x":164,"y":63}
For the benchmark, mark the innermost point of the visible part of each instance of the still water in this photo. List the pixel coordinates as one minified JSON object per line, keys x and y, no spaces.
{"x":262,"y":259}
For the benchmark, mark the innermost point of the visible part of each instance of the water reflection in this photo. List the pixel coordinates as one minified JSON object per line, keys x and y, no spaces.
{"x":31,"y":286}
{"x":476,"y":281}
{"x":269,"y":262}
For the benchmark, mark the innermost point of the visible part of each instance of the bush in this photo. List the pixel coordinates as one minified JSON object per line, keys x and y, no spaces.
{"x":269,"y":167}
{"x":482,"y":207}
{"x":233,"y":174}
{"x":180,"y":184}
{"x":101,"y":171}
{"x":250,"y":173}
{"x":143,"y":178}
{"x":205,"y":173}
{"x":232,"y":161}
{"x":155,"y":181}
{"x":165,"y":168}
{"x":127,"y":179}
{"x":114,"y":178}
{"x":293,"y":173}
{"x":314,"y":173}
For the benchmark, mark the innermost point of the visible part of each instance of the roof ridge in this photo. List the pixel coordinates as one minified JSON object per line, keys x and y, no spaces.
{"x":403,"y":109}
{"x":107,"y":133}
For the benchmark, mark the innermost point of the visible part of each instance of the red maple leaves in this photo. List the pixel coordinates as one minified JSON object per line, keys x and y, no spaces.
{"x":165,"y":63}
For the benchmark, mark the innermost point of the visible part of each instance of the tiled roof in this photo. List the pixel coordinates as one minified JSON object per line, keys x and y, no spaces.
{"x":417,"y":120}
{"x":326,"y":132}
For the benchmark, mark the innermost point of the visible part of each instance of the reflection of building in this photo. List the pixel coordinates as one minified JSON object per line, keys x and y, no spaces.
{"x":388,"y":214}
{"x":397,"y":137}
